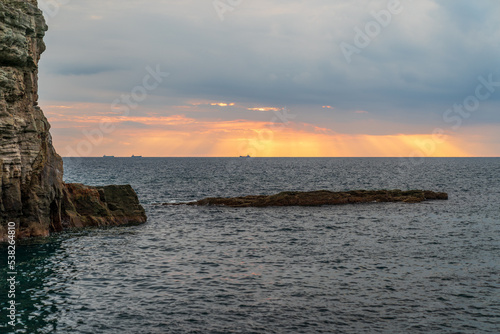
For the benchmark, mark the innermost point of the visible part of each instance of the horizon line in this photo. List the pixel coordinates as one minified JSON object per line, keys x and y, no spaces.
{"x":302,"y":157}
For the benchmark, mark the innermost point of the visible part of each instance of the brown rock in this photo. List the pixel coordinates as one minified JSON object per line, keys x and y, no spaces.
{"x":323,"y":197}
{"x":99,"y":206}
{"x":32,"y":193}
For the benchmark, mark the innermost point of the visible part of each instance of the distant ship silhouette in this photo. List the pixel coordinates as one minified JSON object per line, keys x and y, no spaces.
{"x":136,"y":156}
{"x":108,"y":156}
{"x":242,"y":156}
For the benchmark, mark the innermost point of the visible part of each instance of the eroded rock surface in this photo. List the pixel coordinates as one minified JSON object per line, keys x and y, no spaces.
{"x":323,"y":197}
{"x":99,"y":206}
{"x":32,"y":191}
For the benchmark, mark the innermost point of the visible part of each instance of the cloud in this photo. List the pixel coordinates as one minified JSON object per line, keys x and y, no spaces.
{"x":85,"y":69}
{"x":222,"y":104}
{"x":264,"y":109}
{"x":274,"y":53}
{"x":134,"y":125}
{"x":261,"y":139}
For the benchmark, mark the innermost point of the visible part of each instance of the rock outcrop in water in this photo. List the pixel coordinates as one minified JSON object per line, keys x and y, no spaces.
{"x":32,"y":192}
{"x":323,"y":197}
{"x":99,"y":206}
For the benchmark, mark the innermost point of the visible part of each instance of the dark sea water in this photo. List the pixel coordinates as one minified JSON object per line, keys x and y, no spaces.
{"x":372,"y":268}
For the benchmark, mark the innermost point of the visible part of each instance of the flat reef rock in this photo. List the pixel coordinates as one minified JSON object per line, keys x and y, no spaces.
{"x":323,"y":197}
{"x":32,"y":191}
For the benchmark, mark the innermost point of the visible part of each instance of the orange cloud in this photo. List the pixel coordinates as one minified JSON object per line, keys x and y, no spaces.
{"x":261,"y":139}
{"x":264,"y":109}
{"x":178,"y":135}
{"x":211,"y":103}
{"x":221,"y":104}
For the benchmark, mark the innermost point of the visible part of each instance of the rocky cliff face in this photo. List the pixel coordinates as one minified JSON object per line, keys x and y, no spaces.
{"x":32,"y":192}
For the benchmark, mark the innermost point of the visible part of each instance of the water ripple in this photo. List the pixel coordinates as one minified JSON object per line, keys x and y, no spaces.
{"x":384,"y":268}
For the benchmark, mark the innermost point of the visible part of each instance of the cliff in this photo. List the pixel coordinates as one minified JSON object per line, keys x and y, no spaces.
{"x":323,"y":197}
{"x":32,"y":192}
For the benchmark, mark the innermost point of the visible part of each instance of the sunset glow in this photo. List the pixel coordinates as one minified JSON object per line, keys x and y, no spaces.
{"x":265,"y":109}
{"x":182,"y":136}
{"x":274,"y":80}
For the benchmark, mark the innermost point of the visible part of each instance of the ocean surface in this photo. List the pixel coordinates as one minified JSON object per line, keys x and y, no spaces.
{"x":365,"y":268}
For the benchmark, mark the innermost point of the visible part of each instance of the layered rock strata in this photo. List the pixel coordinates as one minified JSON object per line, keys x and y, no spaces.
{"x":323,"y":197}
{"x":32,"y":192}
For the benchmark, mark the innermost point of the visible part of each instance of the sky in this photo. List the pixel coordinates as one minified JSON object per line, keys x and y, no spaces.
{"x":273,"y":78}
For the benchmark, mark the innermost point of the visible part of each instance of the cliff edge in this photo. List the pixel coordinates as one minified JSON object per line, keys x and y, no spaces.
{"x":32,"y":191}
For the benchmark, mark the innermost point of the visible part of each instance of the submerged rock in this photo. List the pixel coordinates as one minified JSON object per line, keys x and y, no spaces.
{"x":32,"y":192}
{"x":323,"y":197}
